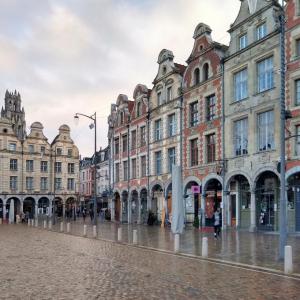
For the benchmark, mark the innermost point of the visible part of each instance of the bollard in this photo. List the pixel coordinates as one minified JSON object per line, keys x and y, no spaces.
{"x":135,"y":237}
{"x":94,"y":231}
{"x":84,"y":231}
{"x":0,"y":221}
{"x":61,"y":226}
{"x":68,"y":227}
{"x":32,"y":222}
{"x":36,"y":223}
{"x":119,"y":234}
{"x":204,"y":247}
{"x":176,"y":243}
{"x":288,"y":260}
{"x":28,"y":223}
{"x":45,"y":224}
{"x":50,"y":225}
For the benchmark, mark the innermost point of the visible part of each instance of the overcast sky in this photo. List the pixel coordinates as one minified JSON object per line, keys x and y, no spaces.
{"x":68,"y":56}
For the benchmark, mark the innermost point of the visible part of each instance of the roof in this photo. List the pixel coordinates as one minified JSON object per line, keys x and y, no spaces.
{"x":180,"y":67}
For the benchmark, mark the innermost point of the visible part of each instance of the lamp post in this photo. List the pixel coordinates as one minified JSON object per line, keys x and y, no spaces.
{"x":93,"y":125}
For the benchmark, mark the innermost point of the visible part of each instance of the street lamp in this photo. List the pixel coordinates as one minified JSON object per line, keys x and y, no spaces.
{"x":92,"y":125}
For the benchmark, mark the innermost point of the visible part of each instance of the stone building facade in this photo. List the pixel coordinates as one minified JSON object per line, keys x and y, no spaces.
{"x":38,"y":176}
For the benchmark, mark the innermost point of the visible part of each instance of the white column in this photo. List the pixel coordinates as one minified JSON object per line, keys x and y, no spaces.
{"x":4,"y":210}
{"x":129,"y":212}
{"x":253,"y":212}
{"x":121,"y":210}
{"x":64,"y":210}
{"x":225,"y":210}
{"x":203,"y":209}
{"x":36,"y":210}
{"x":21,"y":206}
{"x":139,"y":210}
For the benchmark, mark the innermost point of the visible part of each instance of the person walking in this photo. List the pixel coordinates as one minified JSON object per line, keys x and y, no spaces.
{"x":84,"y":214}
{"x":217,"y":223}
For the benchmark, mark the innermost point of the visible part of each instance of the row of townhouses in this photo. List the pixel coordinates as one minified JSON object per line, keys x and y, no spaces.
{"x":218,"y":117}
{"x":37,"y":176}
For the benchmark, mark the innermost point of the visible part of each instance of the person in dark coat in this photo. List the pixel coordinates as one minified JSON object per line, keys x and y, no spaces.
{"x":217,"y":219}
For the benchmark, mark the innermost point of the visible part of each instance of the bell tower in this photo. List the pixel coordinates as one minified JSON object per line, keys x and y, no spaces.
{"x":12,"y":110}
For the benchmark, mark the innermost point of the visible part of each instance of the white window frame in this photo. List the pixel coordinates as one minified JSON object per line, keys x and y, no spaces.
{"x":243,"y":41}
{"x":261,"y":31}
{"x":240,"y":80}
{"x":265,"y":76}
{"x":266,"y":131}
{"x":240,"y":137}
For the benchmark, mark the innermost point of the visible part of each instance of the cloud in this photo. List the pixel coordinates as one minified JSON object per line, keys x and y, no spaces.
{"x":68,"y":56}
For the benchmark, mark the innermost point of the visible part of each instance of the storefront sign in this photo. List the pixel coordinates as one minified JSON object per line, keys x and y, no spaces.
{"x":196,"y":189}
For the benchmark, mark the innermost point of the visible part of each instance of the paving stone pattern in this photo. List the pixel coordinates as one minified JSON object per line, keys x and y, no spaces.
{"x":39,"y":264}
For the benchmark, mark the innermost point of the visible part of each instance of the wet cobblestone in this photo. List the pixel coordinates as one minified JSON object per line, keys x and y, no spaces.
{"x":38,"y":264}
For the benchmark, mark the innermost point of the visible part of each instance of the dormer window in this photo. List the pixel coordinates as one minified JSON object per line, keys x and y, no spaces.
{"x":196,"y":76}
{"x":243,"y":41}
{"x":164,"y":70}
{"x":139,"y":109}
{"x":58,"y":151}
{"x":205,"y":71}
{"x":261,"y":31}
{"x":31,"y":148}
{"x":201,"y":47}
{"x":169,"y":93}
{"x":159,"y":98}
{"x":122,"y":118}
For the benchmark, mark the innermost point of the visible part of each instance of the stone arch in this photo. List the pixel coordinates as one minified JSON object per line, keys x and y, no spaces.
{"x":230,"y":175}
{"x":189,"y":179}
{"x":261,"y":170}
{"x":196,"y":76}
{"x":1,"y":208}
{"x":291,"y":172}
{"x":17,"y":206}
{"x":29,"y":204}
{"x":208,"y":178}
{"x":155,"y":183}
{"x":43,"y":205}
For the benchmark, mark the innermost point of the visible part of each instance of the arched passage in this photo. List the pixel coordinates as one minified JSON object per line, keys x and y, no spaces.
{"x":1,"y":209}
{"x":58,"y":207}
{"x":267,"y":201}
{"x":212,"y":192}
{"x":134,"y":206}
{"x":157,"y":201}
{"x":43,"y":206}
{"x":70,"y":207}
{"x":239,"y":202}
{"x":17,"y":207}
{"x":143,"y":208}
{"x":192,"y":201}
{"x":117,"y":199}
{"x":124,"y":206}
{"x":29,"y":207}
{"x":168,"y":194}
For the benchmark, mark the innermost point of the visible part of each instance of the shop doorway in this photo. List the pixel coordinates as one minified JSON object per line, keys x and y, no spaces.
{"x":117,"y":207}
{"x":29,"y":208}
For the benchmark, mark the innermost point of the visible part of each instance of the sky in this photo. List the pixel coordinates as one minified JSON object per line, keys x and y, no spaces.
{"x":68,"y":56}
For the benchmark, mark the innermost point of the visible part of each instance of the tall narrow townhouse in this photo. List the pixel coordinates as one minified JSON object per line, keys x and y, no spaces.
{"x":293,"y":105}
{"x":202,"y":150}
{"x":252,"y":107}
{"x":165,"y":131}
{"x":121,"y":156}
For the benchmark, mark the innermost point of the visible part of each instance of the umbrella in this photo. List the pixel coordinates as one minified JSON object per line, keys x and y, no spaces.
{"x":12,"y":211}
{"x":177,"y":201}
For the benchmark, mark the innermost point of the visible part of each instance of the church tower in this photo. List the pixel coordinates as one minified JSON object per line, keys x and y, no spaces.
{"x":12,"y":110}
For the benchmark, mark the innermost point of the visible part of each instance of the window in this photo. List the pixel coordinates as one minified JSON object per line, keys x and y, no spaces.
{"x":13,"y":182}
{"x":31,"y":148}
{"x":171,"y":158}
{"x":159,"y":98}
{"x":210,"y":107}
{"x":43,"y":149}
{"x":297,"y":148}
{"x":196,"y":76}
{"x":44,"y":166}
{"x":125,"y":170}
{"x":261,"y":31}
{"x":266,"y":131}
{"x":297,"y":47}
{"x":12,"y":146}
{"x":13,"y":164}
{"x":171,"y":125}
{"x":169,"y":93}
{"x":243,"y":41}
{"x":241,"y":85}
{"x":211,"y":148}
{"x":133,"y":168}
{"x":194,"y":152}
{"x":29,"y":183}
{"x":143,"y":166}
{"x":117,"y":145}
{"x":158,"y":163}
{"x":143,"y":136}
{"x":241,"y":137}
{"x":117,"y":172}
{"x":58,"y":151}
{"x":44,"y":183}
{"x":83,"y":176}
{"x":57,"y":167}
{"x":205,"y":71}
{"x":70,"y":152}
{"x":158,"y":130}
{"x":133,"y":139}
{"x":29,"y":165}
{"x":57,"y":184}
{"x":124,"y":143}
{"x":297,"y":92}
{"x":71,"y":184}
{"x":265,"y":74}
{"x":194,"y":114}
{"x":139,"y":109}
{"x":71,"y":168}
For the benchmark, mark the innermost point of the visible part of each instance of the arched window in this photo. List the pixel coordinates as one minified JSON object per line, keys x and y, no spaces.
{"x":139,"y":109}
{"x":196,"y":76}
{"x":205,"y":71}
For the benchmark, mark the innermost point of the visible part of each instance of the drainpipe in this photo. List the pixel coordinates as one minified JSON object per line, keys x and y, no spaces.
{"x":128,"y":174}
{"x":224,"y":192}
{"x":148,"y":157}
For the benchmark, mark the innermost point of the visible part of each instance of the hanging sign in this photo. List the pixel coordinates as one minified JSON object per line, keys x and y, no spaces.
{"x":196,"y":189}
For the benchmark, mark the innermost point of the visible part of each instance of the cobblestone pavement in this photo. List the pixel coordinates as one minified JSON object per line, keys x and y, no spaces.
{"x":39,"y":264}
{"x":258,"y":249}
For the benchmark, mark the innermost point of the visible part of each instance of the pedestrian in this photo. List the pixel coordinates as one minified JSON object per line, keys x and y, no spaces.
{"x":91,"y":214}
{"x":84,"y":214}
{"x":217,"y":223}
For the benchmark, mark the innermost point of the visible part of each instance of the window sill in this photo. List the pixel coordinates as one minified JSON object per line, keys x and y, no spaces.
{"x":239,"y":101}
{"x":264,"y":151}
{"x":264,"y":91}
